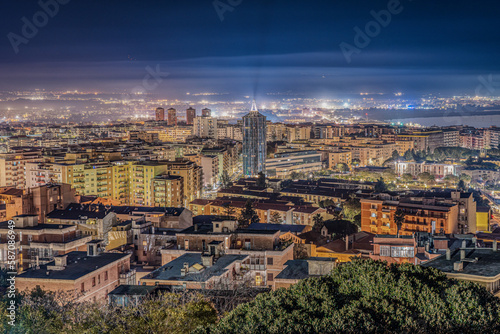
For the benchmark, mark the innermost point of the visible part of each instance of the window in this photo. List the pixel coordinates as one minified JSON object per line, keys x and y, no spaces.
{"x":269,"y":277}
{"x":106,"y":275}
{"x":82,"y":288}
{"x":98,"y":279}
{"x":385,"y":250}
{"x":186,"y":244}
{"x":93,"y":281}
{"x":374,"y":215}
{"x":402,"y":252}
{"x":269,"y":261}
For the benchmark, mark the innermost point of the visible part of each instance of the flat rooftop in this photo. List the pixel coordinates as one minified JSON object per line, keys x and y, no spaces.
{"x":172,"y":270}
{"x":78,"y":265}
{"x":487,"y":265}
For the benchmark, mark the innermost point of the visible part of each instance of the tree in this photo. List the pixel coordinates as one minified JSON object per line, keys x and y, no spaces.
{"x":276,"y":218}
{"x":248,"y":215}
{"x":426,"y":177}
{"x":261,"y":180}
{"x":450,"y":180}
{"x":318,"y":222}
{"x":49,"y":312}
{"x":407,"y":177}
{"x":395,"y":155}
{"x":461,"y":186}
{"x":408,"y":155}
{"x":380,"y":186}
{"x":351,"y":208}
{"x":342,"y":167}
{"x":399,"y":219}
{"x":366,"y":296}
{"x":229,"y":211}
{"x":465,"y":177}
{"x":225,"y":180}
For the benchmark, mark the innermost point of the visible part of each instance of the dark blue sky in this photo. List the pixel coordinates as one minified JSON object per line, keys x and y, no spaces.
{"x":268,"y":46}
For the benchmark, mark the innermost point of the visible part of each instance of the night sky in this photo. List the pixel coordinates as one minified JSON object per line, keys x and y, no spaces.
{"x":429,"y":46}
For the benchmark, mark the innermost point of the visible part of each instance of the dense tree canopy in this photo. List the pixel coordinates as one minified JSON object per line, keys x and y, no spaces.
{"x":49,"y":313}
{"x":367,"y":296}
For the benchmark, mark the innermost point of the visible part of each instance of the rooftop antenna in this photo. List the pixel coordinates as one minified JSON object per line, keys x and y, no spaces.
{"x":254,"y":106}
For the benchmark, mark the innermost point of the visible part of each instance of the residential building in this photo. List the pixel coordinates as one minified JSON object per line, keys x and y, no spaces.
{"x":168,"y":190}
{"x":470,"y":263}
{"x":299,"y":269}
{"x":88,"y":276}
{"x":205,"y":127}
{"x":172,"y":117}
{"x":339,"y":157}
{"x":190,"y":115}
{"x":13,"y":166}
{"x":160,"y":114}
{"x":191,"y":175}
{"x":37,"y":243}
{"x":377,"y":216}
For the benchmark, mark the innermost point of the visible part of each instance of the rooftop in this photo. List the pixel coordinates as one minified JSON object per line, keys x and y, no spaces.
{"x":78,"y":265}
{"x":299,"y":269}
{"x":172,"y":270}
{"x":487,"y":265}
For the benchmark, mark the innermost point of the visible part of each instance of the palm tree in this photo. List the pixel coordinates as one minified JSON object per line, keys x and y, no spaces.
{"x":399,"y":219}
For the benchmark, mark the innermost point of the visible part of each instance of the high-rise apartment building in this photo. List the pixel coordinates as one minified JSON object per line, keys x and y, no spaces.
{"x":168,"y":191}
{"x":172,"y":116}
{"x":192,"y":176}
{"x":190,"y":115}
{"x":141,"y":181}
{"x":160,"y":114}
{"x":206,"y":112}
{"x":254,"y":142}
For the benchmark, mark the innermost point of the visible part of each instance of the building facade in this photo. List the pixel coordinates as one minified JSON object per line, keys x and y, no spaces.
{"x":254,"y":143}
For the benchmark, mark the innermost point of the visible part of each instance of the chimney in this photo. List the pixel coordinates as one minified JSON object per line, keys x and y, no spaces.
{"x":61,"y":261}
{"x":458,"y":266}
{"x":448,"y":254}
{"x":462,"y":254}
{"x":464,"y":244}
{"x":495,"y":245}
{"x":195,"y":227}
{"x":207,"y":260}
{"x":185,"y":269}
{"x":347,"y":242}
{"x":474,"y":241}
